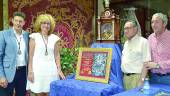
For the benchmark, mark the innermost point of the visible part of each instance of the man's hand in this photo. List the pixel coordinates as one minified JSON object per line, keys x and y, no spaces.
{"x":150,"y":65}
{"x":3,"y":82}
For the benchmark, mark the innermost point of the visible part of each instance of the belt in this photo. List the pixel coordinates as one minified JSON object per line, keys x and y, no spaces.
{"x":161,"y":74}
{"x":20,"y":67}
{"x":128,"y":74}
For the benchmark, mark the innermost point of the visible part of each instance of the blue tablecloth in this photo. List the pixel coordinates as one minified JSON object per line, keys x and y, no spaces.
{"x":72,"y":87}
{"x":154,"y":88}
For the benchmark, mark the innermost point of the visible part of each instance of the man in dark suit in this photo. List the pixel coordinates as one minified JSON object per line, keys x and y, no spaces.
{"x":14,"y":57}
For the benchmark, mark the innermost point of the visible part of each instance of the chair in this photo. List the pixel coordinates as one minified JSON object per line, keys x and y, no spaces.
{"x":72,"y":87}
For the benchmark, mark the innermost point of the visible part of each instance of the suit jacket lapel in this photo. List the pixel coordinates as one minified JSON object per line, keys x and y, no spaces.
{"x":25,"y":36}
{"x":26,"y":39}
{"x":13,"y":40}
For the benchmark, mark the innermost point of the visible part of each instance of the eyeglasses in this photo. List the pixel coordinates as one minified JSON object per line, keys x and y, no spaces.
{"x":128,"y":28}
{"x":48,"y":23}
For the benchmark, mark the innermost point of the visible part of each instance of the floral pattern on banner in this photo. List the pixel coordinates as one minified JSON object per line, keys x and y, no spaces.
{"x":73,"y":18}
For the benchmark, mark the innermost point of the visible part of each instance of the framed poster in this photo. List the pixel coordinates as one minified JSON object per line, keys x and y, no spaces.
{"x":94,"y":64}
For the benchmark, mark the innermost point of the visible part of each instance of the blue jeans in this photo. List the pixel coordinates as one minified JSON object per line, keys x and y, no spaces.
{"x":160,"y":79}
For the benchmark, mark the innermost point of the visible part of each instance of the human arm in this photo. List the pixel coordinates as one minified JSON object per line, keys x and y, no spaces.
{"x":3,"y":81}
{"x":151,"y":65}
{"x":146,"y":59}
{"x":143,"y":75}
{"x":160,"y":54}
{"x":31,"y":54}
{"x":57,"y":60}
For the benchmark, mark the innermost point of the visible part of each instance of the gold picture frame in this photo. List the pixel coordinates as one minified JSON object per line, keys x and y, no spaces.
{"x":94,"y":64}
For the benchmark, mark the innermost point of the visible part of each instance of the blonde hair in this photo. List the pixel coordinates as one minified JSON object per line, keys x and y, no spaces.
{"x":43,"y":18}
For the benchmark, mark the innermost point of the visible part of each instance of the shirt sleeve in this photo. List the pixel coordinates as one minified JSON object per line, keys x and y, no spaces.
{"x":2,"y":48}
{"x":146,"y":51}
{"x":55,"y":37}
{"x":164,"y":64}
{"x":33,"y":35}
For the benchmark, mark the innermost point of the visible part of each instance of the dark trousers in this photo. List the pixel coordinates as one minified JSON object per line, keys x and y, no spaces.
{"x":18,"y":84}
{"x":2,"y":92}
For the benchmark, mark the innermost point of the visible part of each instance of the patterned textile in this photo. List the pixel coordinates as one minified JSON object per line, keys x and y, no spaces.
{"x":73,"y":18}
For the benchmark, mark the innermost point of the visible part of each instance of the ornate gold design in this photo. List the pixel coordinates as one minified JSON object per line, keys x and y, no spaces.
{"x":58,"y":2}
{"x":19,"y":4}
{"x":78,"y":17}
{"x":63,"y":42}
{"x":5,"y":15}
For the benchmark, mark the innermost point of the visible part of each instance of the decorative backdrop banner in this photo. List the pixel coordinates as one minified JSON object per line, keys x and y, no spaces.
{"x":73,"y":18}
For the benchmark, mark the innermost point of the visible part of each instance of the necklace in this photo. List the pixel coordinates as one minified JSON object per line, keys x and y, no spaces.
{"x":45,"y":43}
{"x":19,"y":43}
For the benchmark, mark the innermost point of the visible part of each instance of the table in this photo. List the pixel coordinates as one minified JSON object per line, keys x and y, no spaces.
{"x":153,"y":89}
{"x":73,"y":87}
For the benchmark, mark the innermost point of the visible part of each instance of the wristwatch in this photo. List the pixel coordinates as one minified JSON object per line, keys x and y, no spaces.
{"x":157,"y":66}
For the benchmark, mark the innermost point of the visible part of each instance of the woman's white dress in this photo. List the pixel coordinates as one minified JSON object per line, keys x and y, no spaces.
{"x":44,"y":67}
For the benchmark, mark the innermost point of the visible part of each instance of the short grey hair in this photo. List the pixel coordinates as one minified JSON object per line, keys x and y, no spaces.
{"x":161,"y":16}
{"x":133,"y":21}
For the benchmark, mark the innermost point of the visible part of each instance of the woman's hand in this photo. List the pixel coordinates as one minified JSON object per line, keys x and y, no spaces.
{"x":31,"y":76}
{"x":62,"y":75}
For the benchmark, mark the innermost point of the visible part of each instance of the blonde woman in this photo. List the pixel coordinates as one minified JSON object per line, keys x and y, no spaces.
{"x":44,"y":57}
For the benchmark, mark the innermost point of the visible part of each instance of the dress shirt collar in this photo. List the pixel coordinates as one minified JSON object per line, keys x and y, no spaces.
{"x":163,"y":34}
{"x":17,"y":33}
{"x":135,"y":38}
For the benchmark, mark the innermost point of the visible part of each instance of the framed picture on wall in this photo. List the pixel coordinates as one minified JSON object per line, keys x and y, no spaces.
{"x":108,"y":28}
{"x":94,"y":64}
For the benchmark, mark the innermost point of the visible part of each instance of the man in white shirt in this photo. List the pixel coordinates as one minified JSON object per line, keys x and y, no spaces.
{"x":14,"y":57}
{"x":135,"y":53}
